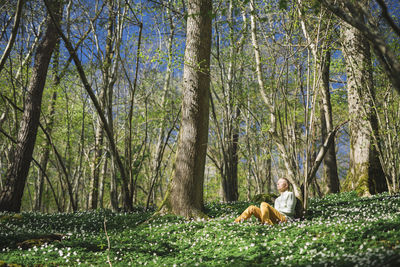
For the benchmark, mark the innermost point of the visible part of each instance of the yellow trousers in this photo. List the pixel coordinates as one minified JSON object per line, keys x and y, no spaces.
{"x":265,"y":214}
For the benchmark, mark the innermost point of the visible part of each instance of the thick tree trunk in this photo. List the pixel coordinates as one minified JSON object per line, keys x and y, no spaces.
{"x":11,"y":196}
{"x":185,"y":197}
{"x":330,"y":163}
{"x":365,"y":174}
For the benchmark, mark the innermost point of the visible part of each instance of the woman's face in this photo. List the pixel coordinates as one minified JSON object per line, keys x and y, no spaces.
{"x":282,"y":185}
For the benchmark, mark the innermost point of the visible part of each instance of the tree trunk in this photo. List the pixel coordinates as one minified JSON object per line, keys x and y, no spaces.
{"x":96,"y":166}
{"x":113,"y":186}
{"x":230,"y":191}
{"x":159,"y":150}
{"x":101,"y":182}
{"x":11,"y":196}
{"x":185,"y":197}
{"x":98,"y":151}
{"x":249,"y":155}
{"x":44,"y":158}
{"x":365,"y":174}
{"x":330,"y":163}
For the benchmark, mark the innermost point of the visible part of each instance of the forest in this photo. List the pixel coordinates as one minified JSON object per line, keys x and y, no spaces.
{"x":186,"y":108}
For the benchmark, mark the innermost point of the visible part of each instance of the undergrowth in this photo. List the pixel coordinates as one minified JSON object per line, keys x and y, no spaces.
{"x":339,"y":230}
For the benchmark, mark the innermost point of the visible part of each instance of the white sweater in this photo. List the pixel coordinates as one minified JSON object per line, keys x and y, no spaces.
{"x":286,"y":203}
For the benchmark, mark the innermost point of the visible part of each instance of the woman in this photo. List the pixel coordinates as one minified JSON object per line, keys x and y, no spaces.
{"x":282,"y":211}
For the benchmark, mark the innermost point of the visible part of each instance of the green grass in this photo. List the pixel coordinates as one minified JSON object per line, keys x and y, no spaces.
{"x":340,"y":230}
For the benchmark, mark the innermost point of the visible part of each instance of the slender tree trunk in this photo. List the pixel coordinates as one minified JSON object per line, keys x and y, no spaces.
{"x":96,"y":166}
{"x":249,"y":155}
{"x":330,"y":163}
{"x":44,"y":158}
{"x":101,"y":182}
{"x":159,"y":151}
{"x":11,"y":196}
{"x":230,"y":191}
{"x":185,"y":197}
{"x":365,"y":174}
{"x":112,"y":52}
{"x":113,"y":186}
{"x":98,"y":152}
{"x":268,"y":177}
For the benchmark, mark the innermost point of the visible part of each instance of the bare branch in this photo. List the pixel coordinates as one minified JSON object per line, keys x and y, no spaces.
{"x":14,"y":31}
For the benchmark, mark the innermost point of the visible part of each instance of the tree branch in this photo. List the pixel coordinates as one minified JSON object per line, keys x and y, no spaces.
{"x":322,"y":151}
{"x":89,"y":90}
{"x":14,"y":31}
{"x":386,"y":16}
{"x":385,"y":55}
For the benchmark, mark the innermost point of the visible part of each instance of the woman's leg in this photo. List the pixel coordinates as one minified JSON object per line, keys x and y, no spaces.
{"x":251,"y":210}
{"x":270,"y":215}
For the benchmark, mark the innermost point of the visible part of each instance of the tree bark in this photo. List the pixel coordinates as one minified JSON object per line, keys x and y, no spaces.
{"x":330,"y":163}
{"x":365,"y":174}
{"x":11,"y":196}
{"x":101,"y":182}
{"x":230,"y":190}
{"x":113,"y":186}
{"x":44,"y":158}
{"x":96,"y":164}
{"x":185,"y":196}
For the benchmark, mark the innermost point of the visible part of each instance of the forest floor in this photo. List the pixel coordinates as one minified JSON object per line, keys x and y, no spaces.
{"x":339,"y":230}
